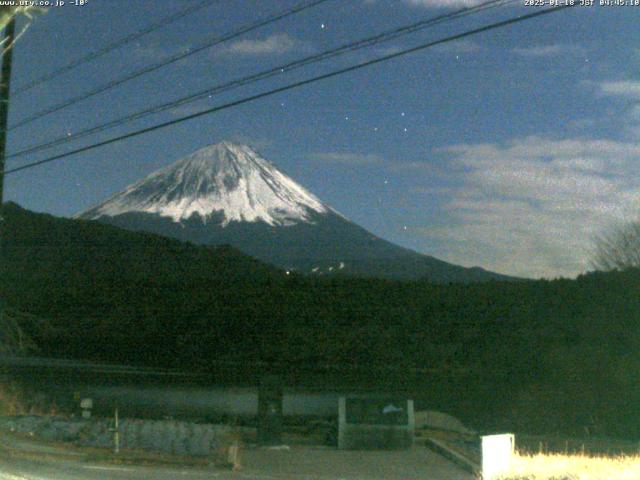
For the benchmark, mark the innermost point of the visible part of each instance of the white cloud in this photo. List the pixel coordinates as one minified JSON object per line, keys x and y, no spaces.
{"x":348,"y":158}
{"x":155,"y":52}
{"x":459,"y":46}
{"x":254,"y":142}
{"x":552,"y":50}
{"x":276,"y":44}
{"x":622,"y":88}
{"x":626,"y":90}
{"x":187,"y":109}
{"x":531,"y":207}
{"x":582,"y":123}
{"x":384,"y":51}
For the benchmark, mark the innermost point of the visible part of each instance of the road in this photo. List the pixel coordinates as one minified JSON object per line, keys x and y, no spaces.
{"x":21,"y":459}
{"x":46,"y":469}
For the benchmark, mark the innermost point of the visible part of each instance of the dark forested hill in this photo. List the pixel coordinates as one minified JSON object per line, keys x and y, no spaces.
{"x":535,"y":355}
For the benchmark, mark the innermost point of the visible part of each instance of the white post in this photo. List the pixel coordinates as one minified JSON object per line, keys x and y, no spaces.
{"x":116,"y":434}
{"x":497,"y":451}
{"x":342,"y":422}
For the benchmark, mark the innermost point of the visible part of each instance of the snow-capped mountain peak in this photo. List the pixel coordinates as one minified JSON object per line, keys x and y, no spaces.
{"x":228,"y":180}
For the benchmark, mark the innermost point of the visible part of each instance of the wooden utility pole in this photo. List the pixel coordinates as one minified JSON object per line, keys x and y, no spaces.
{"x":5,"y":81}
{"x":7,"y":42}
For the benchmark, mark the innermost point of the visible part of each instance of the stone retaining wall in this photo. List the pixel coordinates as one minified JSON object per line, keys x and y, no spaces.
{"x":166,"y":436}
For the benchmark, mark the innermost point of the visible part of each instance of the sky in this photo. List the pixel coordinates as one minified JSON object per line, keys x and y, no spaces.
{"x":510,"y":150}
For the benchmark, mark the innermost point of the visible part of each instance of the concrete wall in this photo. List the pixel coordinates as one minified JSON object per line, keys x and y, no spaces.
{"x":182,"y":438}
{"x":369,"y":436}
{"x":195,"y":402}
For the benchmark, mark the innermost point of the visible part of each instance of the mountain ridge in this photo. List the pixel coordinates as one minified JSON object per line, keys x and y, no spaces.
{"x":229,"y":194}
{"x":232,"y":179}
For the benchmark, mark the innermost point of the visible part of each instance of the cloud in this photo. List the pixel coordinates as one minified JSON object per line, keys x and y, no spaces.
{"x":553,"y":50}
{"x":459,"y":46}
{"x":629,"y":91}
{"x":582,"y":123}
{"x":254,"y":142}
{"x":532,"y":206}
{"x":276,"y":44}
{"x":384,"y":51}
{"x":187,"y":109}
{"x":155,"y":52}
{"x":348,"y":158}
{"x":622,"y":88}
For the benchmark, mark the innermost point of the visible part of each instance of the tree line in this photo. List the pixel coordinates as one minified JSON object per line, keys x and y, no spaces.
{"x":537,"y":356}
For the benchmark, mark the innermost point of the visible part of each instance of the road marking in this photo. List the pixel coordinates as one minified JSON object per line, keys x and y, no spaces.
{"x":9,"y":476}
{"x":114,"y":469}
{"x":147,"y":468}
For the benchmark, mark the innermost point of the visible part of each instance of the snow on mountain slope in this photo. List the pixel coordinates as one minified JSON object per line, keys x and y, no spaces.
{"x":228,"y":194}
{"x":223,"y":179}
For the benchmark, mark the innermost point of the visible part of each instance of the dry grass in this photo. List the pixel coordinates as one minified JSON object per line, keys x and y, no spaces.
{"x":14,"y":341}
{"x":15,"y":400}
{"x":11,"y":400}
{"x":573,"y":467}
{"x":228,"y":454}
{"x":591,"y":445}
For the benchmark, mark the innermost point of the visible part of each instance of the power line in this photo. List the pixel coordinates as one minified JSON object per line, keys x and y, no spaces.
{"x":114,"y":45}
{"x":46,"y":364}
{"x":172,"y":59}
{"x":341,"y":50}
{"x":291,"y":86}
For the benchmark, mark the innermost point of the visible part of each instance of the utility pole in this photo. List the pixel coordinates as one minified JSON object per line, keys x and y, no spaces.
{"x":116,"y":432}
{"x":7,"y":41}
{"x":5,"y":81}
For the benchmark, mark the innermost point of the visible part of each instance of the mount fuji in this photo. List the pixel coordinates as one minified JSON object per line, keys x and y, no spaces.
{"x":229,"y":194}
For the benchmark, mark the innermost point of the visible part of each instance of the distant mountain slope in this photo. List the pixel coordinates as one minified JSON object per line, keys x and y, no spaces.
{"x":329,"y":245}
{"x":229,"y":194}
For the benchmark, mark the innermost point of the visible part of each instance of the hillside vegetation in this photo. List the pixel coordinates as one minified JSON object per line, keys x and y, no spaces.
{"x":535,"y":356}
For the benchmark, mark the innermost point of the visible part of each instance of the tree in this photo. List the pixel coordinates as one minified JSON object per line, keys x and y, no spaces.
{"x":618,"y":248}
{"x":7,"y":13}
{"x":13,"y":338}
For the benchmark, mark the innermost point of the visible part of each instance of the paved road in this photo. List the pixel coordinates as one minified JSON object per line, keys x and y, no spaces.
{"x":26,"y":461}
{"x":21,"y":469}
{"x":47,"y":469}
